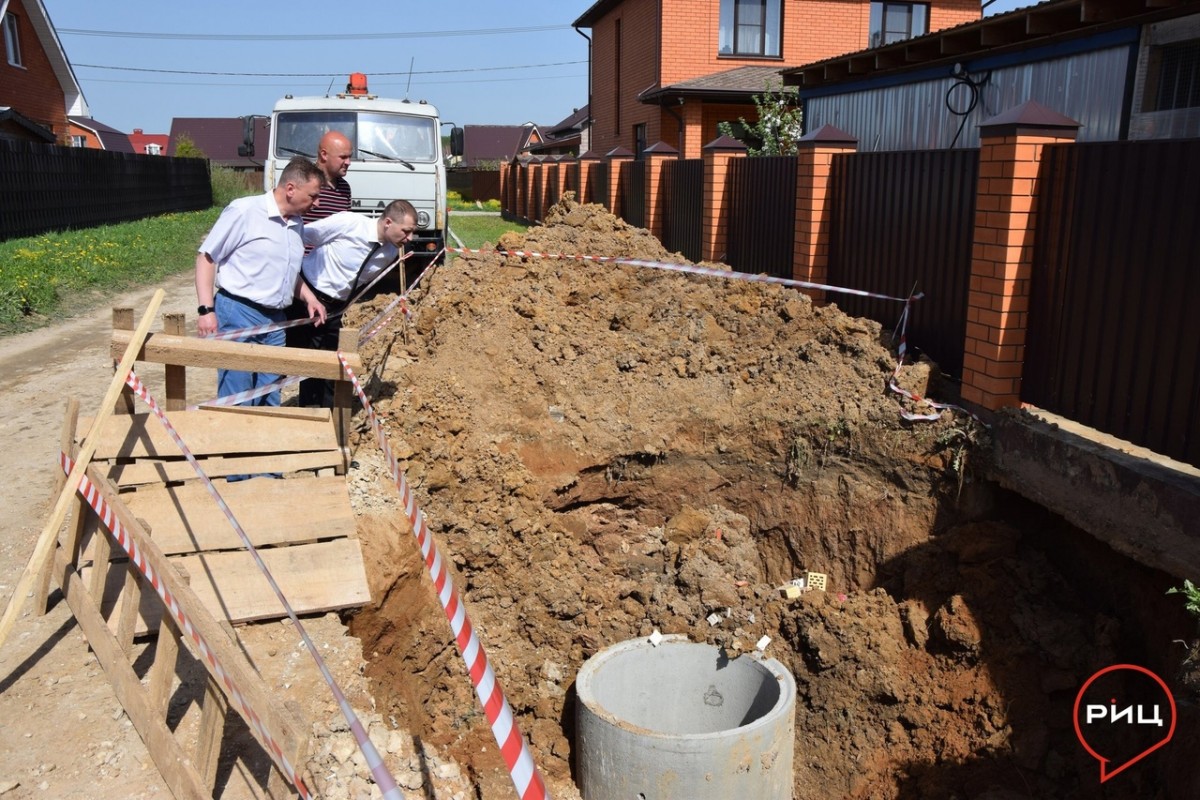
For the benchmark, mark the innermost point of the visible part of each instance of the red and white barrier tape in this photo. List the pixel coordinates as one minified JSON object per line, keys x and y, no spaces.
{"x":375,"y":326}
{"x":245,"y":333}
{"x":379,"y":771}
{"x":93,"y":498}
{"x":250,"y":394}
{"x":693,"y":270}
{"x":524,"y":773}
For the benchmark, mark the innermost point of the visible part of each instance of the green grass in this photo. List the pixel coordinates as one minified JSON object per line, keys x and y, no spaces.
{"x":46,"y":277}
{"x":456,"y":203}
{"x":475,"y":231}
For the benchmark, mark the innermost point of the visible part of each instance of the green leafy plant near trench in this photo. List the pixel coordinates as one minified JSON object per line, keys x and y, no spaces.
{"x":1191,"y":597}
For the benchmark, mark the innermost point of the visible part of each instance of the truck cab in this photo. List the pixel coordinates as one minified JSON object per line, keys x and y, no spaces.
{"x":397,"y":151}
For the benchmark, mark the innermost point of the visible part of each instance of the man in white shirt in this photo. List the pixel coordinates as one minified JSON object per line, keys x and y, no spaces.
{"x":254,"y":253}
{"x":348,"y":251}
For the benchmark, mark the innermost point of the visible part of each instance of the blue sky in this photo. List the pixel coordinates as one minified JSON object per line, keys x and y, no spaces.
{"x":475,"y":38}
{"x":479,"y":61}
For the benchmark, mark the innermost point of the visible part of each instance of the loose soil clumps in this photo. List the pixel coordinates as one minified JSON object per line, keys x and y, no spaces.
{"x":603,"y":451}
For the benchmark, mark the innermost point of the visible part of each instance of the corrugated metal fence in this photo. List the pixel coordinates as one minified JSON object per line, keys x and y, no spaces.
{"x":1114,"y":333}
{"x":682,"y":204}
{"x":901,"y":220}
{"x":762,"y":215}
{"x":44,"y":187}
{"x":633,"y":193}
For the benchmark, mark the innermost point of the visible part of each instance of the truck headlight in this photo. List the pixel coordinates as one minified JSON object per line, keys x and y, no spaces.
{"x":423,"y":219}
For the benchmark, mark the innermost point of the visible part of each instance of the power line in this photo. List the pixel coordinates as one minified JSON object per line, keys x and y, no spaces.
{"x":320,"y":87}
{"x":310,"y":37}
{"x":320,"y":74}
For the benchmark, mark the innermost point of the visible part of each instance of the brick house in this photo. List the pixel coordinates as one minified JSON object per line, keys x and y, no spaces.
{"x":88,"y":132}
{"x":36,"y":79}
{"x":670,"y":70}
{"x":151,"y":144}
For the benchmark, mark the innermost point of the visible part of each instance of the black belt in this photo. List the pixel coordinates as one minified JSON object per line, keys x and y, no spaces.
{"x":259,"y":307}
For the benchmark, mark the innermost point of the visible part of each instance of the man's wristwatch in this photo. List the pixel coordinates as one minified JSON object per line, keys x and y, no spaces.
{"x":202,"y":310}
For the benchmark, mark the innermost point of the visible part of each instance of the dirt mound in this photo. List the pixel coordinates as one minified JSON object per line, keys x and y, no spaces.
{"x":604,"y":450}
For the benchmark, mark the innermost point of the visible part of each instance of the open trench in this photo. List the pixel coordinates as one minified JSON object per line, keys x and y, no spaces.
{"x":603,"y":454}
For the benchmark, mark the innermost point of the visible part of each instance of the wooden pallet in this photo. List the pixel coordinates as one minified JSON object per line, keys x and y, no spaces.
{"x":302,"y":525}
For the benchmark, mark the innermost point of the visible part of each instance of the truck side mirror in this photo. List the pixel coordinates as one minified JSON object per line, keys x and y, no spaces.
{"x":456,"y":141}
{"x":246,"y":148}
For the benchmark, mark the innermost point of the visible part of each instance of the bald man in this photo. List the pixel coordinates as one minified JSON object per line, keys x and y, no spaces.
{"x":333,"y":160}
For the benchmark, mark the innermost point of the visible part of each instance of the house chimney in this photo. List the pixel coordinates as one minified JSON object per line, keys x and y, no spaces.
{"x":137,"y":131}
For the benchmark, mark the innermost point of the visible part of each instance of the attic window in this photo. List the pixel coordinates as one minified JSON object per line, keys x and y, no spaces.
{"x":12,"y":42}
{"x":750,"y":28}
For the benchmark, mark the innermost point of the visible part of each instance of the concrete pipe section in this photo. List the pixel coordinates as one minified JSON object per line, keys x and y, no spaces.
{"x":681,"y":721}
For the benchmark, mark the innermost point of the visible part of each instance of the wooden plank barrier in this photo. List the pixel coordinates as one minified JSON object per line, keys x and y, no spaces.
{"x":302,"y":525}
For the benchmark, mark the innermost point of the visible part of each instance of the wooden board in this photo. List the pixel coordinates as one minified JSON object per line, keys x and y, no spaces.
{"x":186,"y":519}
{"x":210,"y":433}
{"x":151,"y":470}
{"x":189,"y":351}
{"x":324,"y":576}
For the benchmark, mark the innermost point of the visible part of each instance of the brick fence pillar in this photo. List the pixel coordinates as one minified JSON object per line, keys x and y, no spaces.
{"x":814,"y":165}
{"x":657,"y":155}
{"x":1002,"y":254}
{"x":586,"y":164}
{"x":717,"y":155}
{"x":616,"y":157}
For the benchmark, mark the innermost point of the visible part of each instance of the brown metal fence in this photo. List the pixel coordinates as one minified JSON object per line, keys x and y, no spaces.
{"x":762,"y":215}
{"x":598,"y":187}
{"x":1114,"y":333}
{"x":44,"y":187}
{"x":900,"y":220}
{"x":536,"y":194}
{"x":633,"y":193}
{"x":682,"y":202}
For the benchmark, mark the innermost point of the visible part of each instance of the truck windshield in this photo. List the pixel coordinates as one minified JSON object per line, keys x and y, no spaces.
{"x":375,"y":136}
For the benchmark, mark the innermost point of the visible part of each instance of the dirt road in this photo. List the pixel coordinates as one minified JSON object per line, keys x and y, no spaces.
{"x":64,"y":733}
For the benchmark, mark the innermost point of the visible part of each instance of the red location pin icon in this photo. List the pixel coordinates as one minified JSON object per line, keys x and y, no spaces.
{"x":1123,"y":714}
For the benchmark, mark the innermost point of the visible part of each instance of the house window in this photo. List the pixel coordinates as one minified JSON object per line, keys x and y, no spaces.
{"x":895,"y":22}
{"x":154,"y":149}
{"x":78,"y":141}
{"x":1174,"y":76}
{"x":639,"y":140}
{"x":750,"y":28}
{"x":12,"y":42}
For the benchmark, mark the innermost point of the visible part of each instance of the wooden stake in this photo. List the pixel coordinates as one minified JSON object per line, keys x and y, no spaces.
{"x":45,"y":542}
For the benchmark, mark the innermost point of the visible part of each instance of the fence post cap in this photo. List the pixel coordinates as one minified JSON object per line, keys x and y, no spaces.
{"x":564,"y":158}
{"x":619,"y":152}
{"x":1029,"y":117}
{"x":724,"y":143}
{"x":827,"y":134}
{"x":661,"y":148}
{"x":590,"y":155}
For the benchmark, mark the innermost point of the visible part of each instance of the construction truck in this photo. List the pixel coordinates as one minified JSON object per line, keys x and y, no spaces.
{"x":397,"y":154}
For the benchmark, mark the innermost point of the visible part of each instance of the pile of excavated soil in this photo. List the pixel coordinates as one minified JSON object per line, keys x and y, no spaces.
{"x":604,"y":450}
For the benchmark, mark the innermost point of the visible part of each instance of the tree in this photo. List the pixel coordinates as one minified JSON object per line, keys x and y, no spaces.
{"x":779,"y":123}
{"x":185,"y":147}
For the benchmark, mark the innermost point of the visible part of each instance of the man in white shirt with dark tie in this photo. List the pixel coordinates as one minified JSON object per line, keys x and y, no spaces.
{"x":348,"y":251}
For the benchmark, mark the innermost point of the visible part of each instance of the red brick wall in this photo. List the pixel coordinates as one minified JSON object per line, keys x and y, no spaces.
{"x":33,"y":90}
{"x":638,"y":71}
{"x":812,"y":30}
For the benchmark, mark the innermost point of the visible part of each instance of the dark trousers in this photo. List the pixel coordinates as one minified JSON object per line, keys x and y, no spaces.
{"x":316,"y":391}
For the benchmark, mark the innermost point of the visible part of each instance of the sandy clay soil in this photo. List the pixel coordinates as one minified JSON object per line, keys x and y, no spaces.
{"x":603,"y":451}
